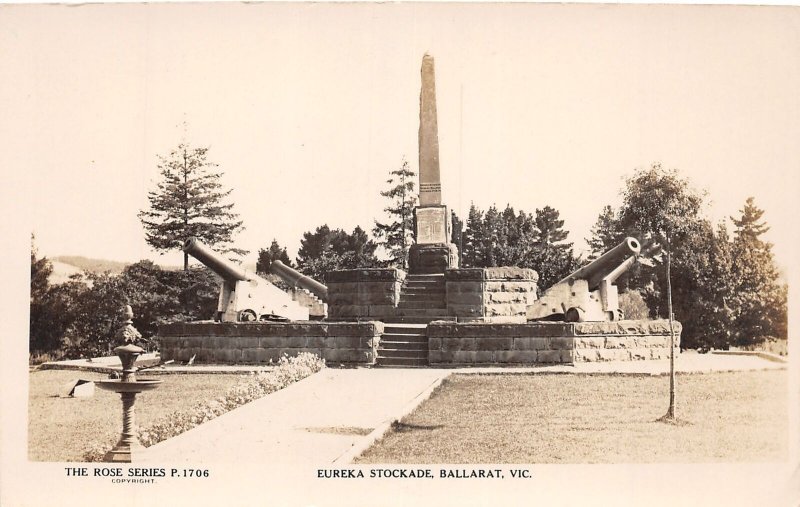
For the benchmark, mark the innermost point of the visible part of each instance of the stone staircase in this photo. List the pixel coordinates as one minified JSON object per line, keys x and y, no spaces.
{"x":404,"y":341}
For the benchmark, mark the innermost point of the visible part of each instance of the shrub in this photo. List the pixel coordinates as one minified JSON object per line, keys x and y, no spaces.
{"x":633,"y":305}
{"x":253,"y":387}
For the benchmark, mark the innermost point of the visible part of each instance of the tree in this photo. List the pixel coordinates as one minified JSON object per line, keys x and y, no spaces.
{"x":606,"y":233}
{"x":552,"y":256}
{"x":189,"y":202}
{"x":274,"y":253}
{"x":397,"y":235}
{"x":758,"y":298}
{"x":328,"y":249}
{"x":660,"y":204}
{"x":511,"y":238}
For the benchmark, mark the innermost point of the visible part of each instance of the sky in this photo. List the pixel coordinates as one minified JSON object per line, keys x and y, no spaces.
{"x":307,"y":107}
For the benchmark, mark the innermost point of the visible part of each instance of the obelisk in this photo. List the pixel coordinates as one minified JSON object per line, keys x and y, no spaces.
{"x":430,"y":186}
{"x":433,"y":251}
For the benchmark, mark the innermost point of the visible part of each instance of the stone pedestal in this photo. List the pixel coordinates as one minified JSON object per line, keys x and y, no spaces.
{"x":432,"y":258}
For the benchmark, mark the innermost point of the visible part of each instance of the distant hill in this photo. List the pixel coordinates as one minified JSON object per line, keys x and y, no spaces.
{"x":62,"y":271}
{"x":93,"y":265}
{"x":70,"y":264}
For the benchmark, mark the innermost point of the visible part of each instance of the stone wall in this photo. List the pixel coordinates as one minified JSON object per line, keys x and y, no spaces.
{"x":260,"y":342}
{"x":490,"y":294}
{"x":625,"y":340}
{"x":486,"y":343}
{"x":363,"y":293}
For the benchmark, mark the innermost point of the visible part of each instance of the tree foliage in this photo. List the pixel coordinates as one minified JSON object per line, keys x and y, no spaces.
{"x":328,"y":249}
{"x":79,"y":318}
{"x":725,"y":292}
{"x":511,"y":238}
{"x":397,"y":234}
{"x":189,"y":201}
{"x":274,"y":253}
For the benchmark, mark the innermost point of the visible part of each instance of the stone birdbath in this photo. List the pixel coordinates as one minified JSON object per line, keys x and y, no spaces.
{"x":128,"y":387}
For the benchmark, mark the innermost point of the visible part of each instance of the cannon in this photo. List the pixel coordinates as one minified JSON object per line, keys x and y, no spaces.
{"x":589,"y":293}
{"x":245,"y":296}
{"x":297,"y":279}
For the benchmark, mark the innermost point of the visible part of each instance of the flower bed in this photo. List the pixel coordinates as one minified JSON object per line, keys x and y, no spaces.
{"x":257,"y":385}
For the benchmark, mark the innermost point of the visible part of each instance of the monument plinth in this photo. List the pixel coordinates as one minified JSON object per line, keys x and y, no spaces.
{"x":433,"y":251}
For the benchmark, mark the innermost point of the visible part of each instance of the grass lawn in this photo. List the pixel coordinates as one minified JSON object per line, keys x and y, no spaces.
{"x":60,"y":429}
{"x":736,"y":416}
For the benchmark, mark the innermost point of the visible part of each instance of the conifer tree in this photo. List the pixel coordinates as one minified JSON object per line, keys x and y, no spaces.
{"x":396,"y":235}
{"x":189,"y":201}
{"x":274,"y":253}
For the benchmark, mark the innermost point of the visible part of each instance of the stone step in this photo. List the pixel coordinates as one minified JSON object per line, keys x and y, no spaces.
{"x":422,"y":305}
{"x":404,"y":327}
{"x":407,"y":354}
{"x":421,"y":296}
{"x":427,"y":312}
{"x":414,"y":319}
{"x":392,"y":362}
{"x":417,"y":342}
{"x":404,"y":345}
{"x":423,"y":286}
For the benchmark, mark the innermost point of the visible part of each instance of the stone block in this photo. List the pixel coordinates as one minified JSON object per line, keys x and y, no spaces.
{"x":511,"y":273}
{"x":567,"y":356}
{"x":562,"y":342}
{"x":364,"y":275}
{"x":227,"y":355}
{"x":619,"y":342}
{"x":434,"y":356}
{"x":638,"y":354}
{"x":506,"y":297}
{"x":464,"y":287}
{"x":589,"y":342}
{"x":382,"y":310}
{"x":516,"y":356}
{"x":493,"y":343}
{"x":548,"y":356}
{"x":465,"y":274}
{"x":317,"y":342}
{"x":432,"y":257}
{"x":464,"y":298}
{"x":530,"y":343}
{"x":494,"y":310}
{"x":586,"y":355}
{"x":458,"y":310}
{"x":204,"y":355}
{"x":434,"y":343}
{"x":612,"y":354}
{"x":452,"y":344}
{"x":347,"y":342}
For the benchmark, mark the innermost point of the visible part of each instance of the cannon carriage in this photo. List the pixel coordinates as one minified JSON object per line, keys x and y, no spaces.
{"x":589,"y":293}
{"x":245,"y":296}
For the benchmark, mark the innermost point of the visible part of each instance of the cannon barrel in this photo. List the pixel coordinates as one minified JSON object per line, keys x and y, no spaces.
{"x":616,"y":261}
{"x":298,"y":279}
{"x":211,"y":259}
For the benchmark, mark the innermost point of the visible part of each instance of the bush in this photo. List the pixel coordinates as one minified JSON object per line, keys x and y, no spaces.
{"x":255,"y":386}
{"x":633,"y":306}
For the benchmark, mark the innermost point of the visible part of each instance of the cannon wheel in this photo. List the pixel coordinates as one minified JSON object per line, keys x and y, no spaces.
{"x":574,"y":314}
{"x":247,"y":316}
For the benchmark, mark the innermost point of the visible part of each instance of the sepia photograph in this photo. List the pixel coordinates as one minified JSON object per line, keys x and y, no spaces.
{"x":401,"y":253}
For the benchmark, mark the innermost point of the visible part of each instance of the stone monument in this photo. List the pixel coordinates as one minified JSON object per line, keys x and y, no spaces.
{"x":432,"y":252}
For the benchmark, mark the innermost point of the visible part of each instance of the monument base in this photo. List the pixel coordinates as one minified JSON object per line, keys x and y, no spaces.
{"x":432,"y":258}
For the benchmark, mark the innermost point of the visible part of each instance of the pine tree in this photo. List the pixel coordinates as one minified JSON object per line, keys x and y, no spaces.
{"x":189,"y":202}
{"x":328,"y":249}
{"x":471,"y":256}
{"x":606,"y":233}
{"x":758,"y":297}
{"x":552,"y":257}
{"x":274,"y":253}
{"x":396,"y":236}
